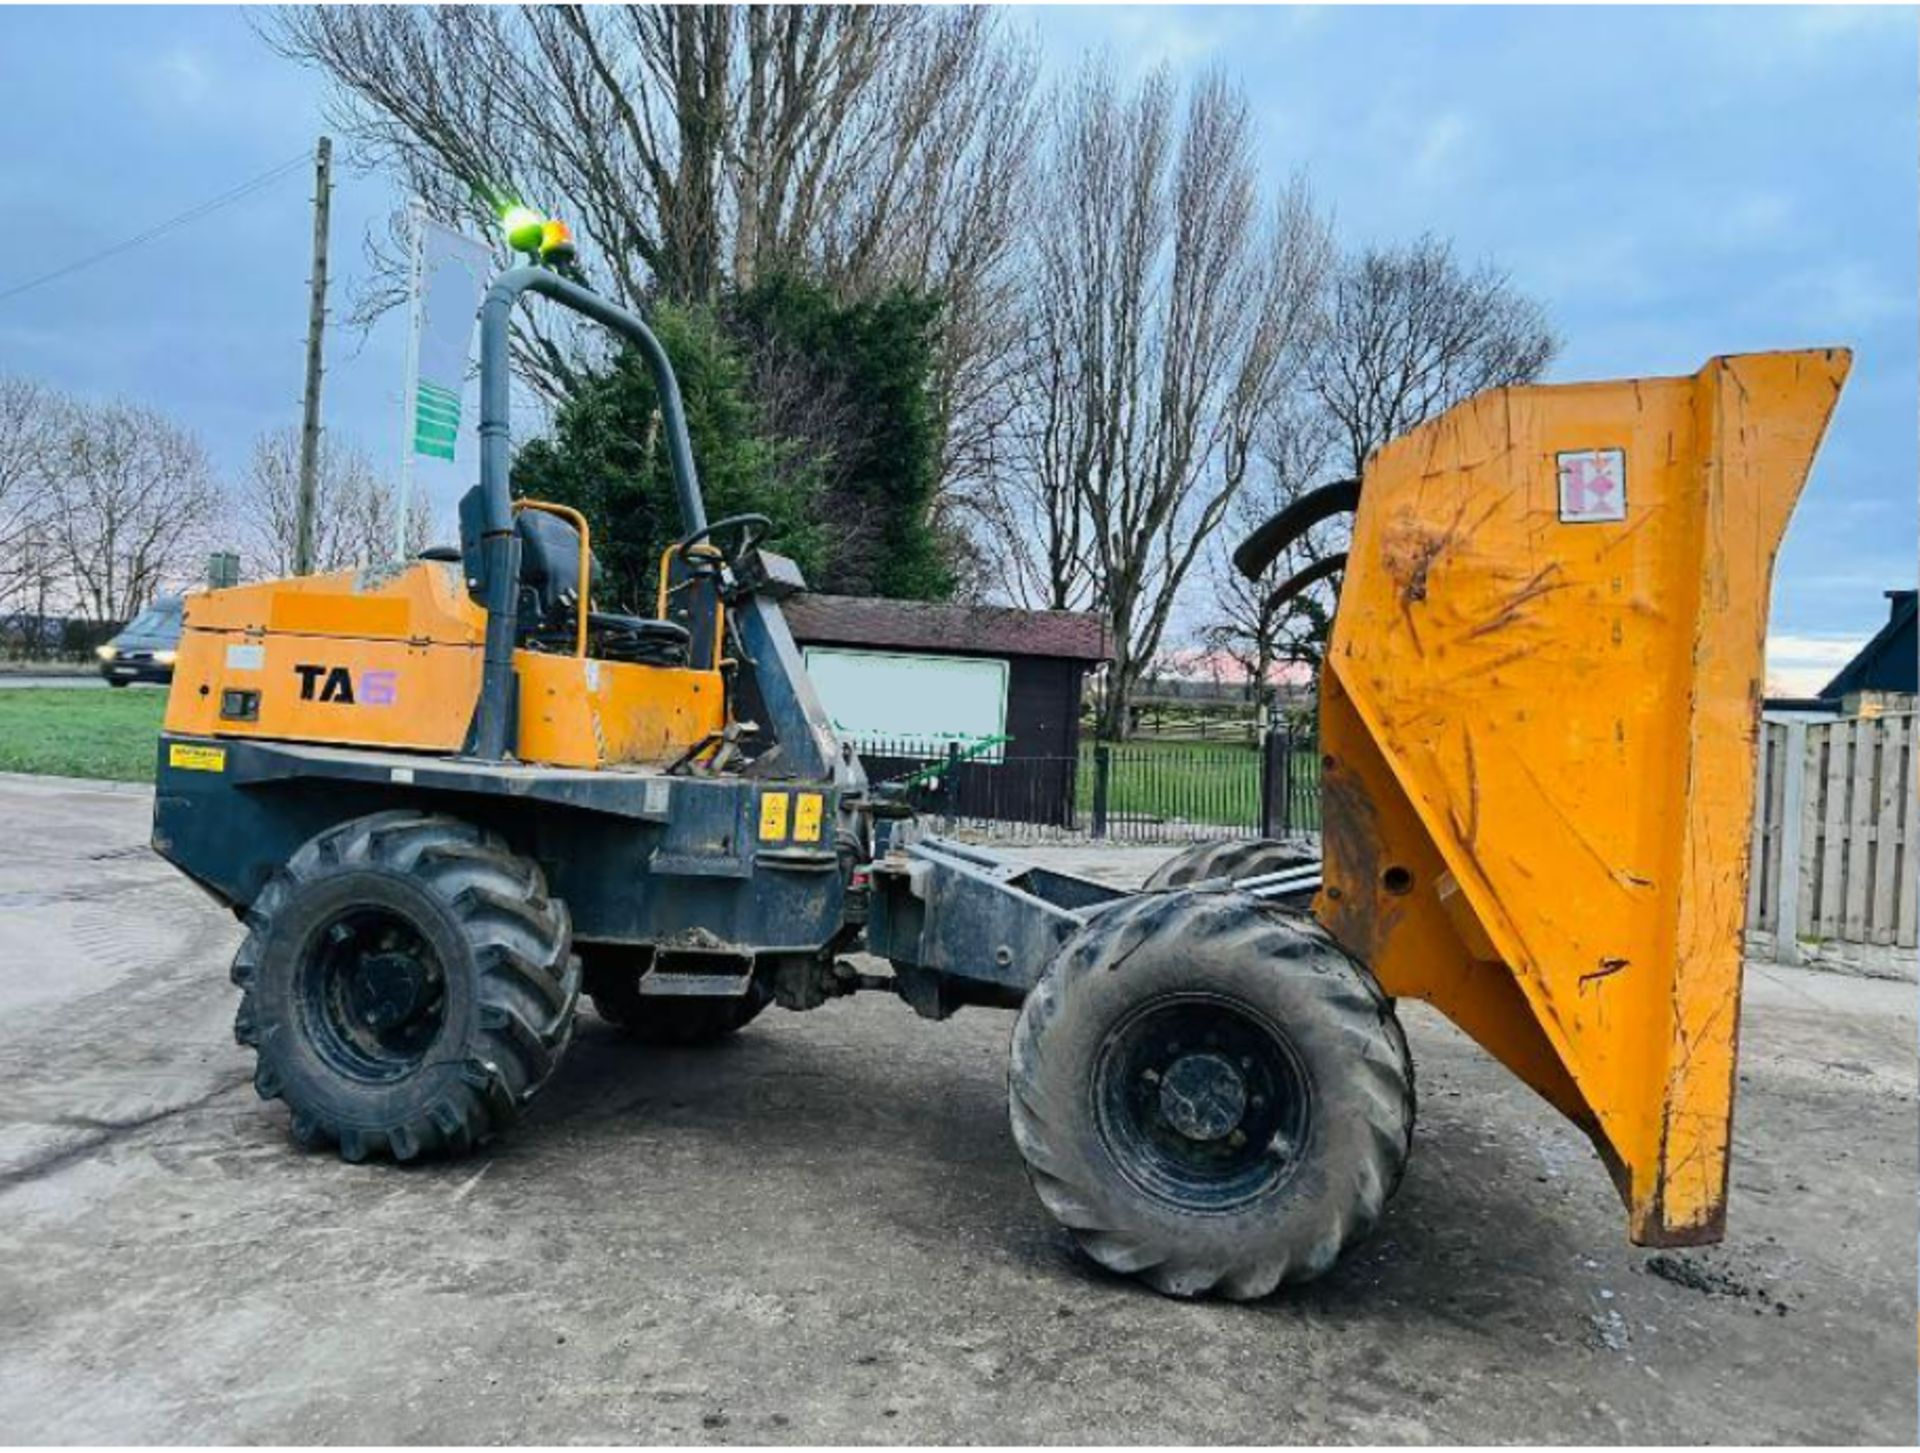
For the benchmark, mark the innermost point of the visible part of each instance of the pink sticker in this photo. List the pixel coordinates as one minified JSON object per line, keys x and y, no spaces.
{"x":1593,"y":485}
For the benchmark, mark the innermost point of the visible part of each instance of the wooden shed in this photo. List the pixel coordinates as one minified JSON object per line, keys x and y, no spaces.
{"x":902,"y":679}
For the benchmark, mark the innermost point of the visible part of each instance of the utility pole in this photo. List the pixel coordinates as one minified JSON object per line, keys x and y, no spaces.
{"x":316,"y":328}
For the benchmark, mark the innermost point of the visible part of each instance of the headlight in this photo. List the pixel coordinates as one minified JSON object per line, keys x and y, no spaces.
{"x":165,"y":658}
{"x":105,"y":653}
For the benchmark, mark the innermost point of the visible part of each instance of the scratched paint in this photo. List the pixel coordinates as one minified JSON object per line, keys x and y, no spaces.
{"x":1545,"y":714}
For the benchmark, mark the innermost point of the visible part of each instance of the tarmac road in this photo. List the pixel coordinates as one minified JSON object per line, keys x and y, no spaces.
{"x":820,"y":1233}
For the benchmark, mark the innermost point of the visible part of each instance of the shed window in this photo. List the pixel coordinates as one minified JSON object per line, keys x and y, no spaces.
{"x":896,"y":703}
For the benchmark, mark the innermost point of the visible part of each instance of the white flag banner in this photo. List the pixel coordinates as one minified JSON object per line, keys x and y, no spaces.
{"x":450,"y":275}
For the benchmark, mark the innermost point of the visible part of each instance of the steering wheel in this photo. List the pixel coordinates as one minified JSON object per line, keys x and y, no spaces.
{"x":751,"y":530}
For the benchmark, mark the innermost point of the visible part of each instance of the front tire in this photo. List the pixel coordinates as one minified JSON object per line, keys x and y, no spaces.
{"x":407,"y":986}
{"x":1210,"y":1094}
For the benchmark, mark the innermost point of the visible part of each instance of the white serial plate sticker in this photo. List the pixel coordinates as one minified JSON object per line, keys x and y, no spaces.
{"x":1593,"y":485}
{"x":246,"y":658}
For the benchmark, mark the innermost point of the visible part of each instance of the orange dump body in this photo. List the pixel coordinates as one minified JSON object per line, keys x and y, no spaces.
{"x":1538,"y":717}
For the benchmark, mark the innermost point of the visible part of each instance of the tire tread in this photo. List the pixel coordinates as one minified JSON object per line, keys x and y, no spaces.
{"x":528,"y":984}
{"x":1244,"y":935}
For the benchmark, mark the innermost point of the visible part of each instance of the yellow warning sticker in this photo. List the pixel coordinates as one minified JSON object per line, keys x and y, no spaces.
{"x":189,"y":758}
{"x":773,"y":817}
{"x":806,"y":817}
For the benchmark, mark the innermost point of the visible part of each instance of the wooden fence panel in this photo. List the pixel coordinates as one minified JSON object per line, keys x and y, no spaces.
{"x":1780,"y":872}
{"x":1907,"y":916}
{"x":1777,"y":871}
{"x":1812,"y":768}
{"x":1861,"y":796}
{"x":1856,"y":786}
{"x":1833,"y":830}
{"x":1761,"y":861}
{"x":1883,"y":894}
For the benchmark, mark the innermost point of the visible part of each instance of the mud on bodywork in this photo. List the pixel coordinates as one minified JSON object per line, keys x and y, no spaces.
{"x":1538,"y":715}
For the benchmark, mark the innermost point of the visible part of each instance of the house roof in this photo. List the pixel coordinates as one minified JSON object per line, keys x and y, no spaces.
{"x":978,"y":630}
{"x":1888,"y":661}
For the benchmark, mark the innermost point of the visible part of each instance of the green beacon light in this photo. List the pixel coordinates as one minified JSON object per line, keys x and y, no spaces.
{"x":526,"y":229}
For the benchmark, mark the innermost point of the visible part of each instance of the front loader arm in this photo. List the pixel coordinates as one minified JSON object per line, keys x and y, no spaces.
{"x":1538,"y":717}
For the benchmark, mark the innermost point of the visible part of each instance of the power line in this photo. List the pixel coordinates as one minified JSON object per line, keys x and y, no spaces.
{"x":193,"y":214}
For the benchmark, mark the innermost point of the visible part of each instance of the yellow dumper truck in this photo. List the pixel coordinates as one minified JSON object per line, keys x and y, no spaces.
{"x":451,"y":796}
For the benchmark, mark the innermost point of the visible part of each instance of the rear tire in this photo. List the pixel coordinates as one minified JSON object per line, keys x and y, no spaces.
{"x":1235,"y":858}
{"x":1210,"y":1094}
{"x":407,"y":985}
{"x":668,"y":1019}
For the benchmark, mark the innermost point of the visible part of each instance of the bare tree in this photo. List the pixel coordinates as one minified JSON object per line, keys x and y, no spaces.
{"x":353,"y":514}
{"x":31,"y":422}
{"x":696,"y":148}
{"x":1407,"y":334}
{"x":1171,"y":308}
{"x":134,"y":503}
{"x":1249,"y":621}
{"x":373,"y":513}
{"x":1411,"y":333}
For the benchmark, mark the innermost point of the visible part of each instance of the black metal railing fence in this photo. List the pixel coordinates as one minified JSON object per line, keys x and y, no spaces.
{"x":1143,"y":791}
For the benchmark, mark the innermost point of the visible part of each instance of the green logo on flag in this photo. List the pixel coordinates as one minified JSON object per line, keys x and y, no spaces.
{"x":436,"y":420}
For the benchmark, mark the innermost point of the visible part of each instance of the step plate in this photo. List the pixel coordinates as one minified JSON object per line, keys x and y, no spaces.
{"x":695,"y":986}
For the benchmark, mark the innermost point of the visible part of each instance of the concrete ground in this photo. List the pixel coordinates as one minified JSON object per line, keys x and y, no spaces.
{"x":820,"y":1232}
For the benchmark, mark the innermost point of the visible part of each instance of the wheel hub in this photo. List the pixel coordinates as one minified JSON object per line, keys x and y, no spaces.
{"x":1202,"y":1101}
{"x":373,"y":993}
{"x":388,"y":989}
{"x":1203,"y":1096}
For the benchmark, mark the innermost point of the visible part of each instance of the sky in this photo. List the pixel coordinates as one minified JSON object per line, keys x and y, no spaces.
{"x":1670,"y":183}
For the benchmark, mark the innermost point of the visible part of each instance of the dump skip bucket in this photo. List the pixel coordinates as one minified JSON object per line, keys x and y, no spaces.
{"x":1539,"y":715}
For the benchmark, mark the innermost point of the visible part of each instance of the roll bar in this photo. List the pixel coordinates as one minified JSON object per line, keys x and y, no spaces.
{"x":500,"y":546}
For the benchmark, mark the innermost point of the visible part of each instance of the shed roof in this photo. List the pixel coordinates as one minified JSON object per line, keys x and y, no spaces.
{"x":916,"y":625}
{"x":1887,"y":662}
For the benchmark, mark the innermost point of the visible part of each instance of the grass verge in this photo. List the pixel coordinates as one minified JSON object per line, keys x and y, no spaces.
{"x":67,"y":731}
{"x":83,"y":732}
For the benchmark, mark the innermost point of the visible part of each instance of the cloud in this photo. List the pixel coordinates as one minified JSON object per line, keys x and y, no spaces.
{"x":1798,"y":40}
{"x":1614,"y":263}
{"x":1437,"y":156}
{"x":1849,"y":295}
{"x":182,"y":77}
{"x":1177,"y":38}
{"x":1799,"y":665}
{"x":1845,"y":22}
{"x":1757,"y":217}
{"x":200,"y":86}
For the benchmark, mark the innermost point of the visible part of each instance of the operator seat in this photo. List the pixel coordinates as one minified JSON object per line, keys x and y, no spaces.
{"x":550,"y":601}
